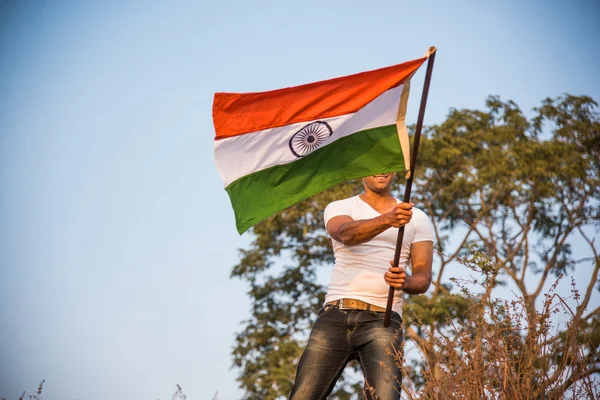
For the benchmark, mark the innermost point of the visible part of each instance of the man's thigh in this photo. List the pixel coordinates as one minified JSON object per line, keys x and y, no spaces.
{"x":381,"y":356}
{"x":324,"y":358}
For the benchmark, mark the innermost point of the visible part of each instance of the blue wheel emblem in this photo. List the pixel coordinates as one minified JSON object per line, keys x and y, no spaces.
{"x":309,"y":138}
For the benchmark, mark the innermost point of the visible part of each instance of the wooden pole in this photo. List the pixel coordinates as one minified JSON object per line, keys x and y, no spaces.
{"x":407,"y":189}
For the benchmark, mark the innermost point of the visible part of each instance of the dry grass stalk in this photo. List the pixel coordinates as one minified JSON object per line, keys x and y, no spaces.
{"x":496,"y":354}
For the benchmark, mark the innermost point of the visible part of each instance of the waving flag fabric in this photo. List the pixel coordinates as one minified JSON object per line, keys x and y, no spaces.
{"x":274,"y":149}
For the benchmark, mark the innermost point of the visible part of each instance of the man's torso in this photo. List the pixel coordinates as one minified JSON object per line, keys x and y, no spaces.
{"x":358,"y":270}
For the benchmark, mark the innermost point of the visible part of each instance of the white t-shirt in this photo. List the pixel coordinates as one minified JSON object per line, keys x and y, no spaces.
{"x":358,"y":270}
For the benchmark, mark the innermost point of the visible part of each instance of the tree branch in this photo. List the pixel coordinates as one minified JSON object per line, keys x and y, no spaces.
{"x":558,"y":244}
{"x":414,"y":336}
{"x":526,"y":233}
{"x":574,"y":378}
{"x":593,"y":278}
{"x":591,"y":314}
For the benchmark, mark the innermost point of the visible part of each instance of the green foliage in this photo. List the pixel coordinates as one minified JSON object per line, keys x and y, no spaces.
{"x":519,"y":190}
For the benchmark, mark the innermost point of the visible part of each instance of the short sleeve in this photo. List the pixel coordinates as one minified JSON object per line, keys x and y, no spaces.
{"x":423,"y":227}
{"x":340,"y":207}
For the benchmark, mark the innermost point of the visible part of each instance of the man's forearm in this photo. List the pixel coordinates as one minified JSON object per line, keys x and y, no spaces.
{"x":361,"y":231}
{"x":416,"y":284}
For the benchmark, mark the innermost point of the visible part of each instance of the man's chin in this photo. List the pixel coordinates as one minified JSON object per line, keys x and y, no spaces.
{"x":379,"y":188}
{"x":382,"y":180}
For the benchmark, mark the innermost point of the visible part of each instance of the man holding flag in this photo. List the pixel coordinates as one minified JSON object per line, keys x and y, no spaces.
{"x":350,"y":326}
{"x":274,"y":149}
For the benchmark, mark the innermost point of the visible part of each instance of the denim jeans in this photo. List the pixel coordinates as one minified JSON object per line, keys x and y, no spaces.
{"x":339,"y":336}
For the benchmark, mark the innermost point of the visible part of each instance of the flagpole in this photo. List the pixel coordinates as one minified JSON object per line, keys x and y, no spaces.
{"x":413,"y":161}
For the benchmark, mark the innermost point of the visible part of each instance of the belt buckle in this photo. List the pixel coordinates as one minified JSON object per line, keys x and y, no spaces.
{"x":357,"y":305}
{"x":342,"y":306}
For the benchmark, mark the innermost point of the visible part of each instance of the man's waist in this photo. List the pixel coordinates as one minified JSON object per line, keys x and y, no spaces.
{"x":354,"y":304}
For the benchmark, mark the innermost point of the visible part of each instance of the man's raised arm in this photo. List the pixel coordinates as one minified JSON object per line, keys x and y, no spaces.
{"x":350,"y":232}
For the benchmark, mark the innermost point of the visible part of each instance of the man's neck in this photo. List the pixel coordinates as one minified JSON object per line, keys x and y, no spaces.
{"x":382,"y":199}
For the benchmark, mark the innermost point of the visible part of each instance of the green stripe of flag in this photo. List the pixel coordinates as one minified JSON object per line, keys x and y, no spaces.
{"x":256,"y":196}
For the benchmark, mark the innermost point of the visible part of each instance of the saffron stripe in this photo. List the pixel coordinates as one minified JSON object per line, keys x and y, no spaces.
{"x":237,"y":114}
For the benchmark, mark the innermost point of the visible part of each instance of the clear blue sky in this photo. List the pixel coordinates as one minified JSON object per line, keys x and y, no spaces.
{"x":116,"y":236}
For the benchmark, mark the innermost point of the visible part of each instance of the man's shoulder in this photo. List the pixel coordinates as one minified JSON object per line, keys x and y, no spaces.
{"x":419,"y":216}
{"x":420,"y":213}
{"x":341,"y":207}
{"x":421,"y":226}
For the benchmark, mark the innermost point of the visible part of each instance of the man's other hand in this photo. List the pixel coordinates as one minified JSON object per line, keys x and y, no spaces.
{"x":395,"y":276}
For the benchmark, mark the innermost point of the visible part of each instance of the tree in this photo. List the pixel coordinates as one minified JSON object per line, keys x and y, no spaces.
{"x":519,"y":190}
{"x":493,"y":180}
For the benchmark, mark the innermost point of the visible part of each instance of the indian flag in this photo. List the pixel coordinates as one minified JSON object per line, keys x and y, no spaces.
{"x":274,"y":149}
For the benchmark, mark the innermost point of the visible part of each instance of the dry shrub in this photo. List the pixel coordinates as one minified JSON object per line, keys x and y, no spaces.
{"x":494,"y":353}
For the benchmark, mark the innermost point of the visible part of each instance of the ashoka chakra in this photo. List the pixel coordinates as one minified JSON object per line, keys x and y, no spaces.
{"x":309,"y":138}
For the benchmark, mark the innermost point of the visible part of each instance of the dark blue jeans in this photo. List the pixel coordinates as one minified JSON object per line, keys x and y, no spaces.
{"x":339,"y":336}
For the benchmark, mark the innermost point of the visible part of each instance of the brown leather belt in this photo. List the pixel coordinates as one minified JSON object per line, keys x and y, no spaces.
{"x":354,"y":304}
